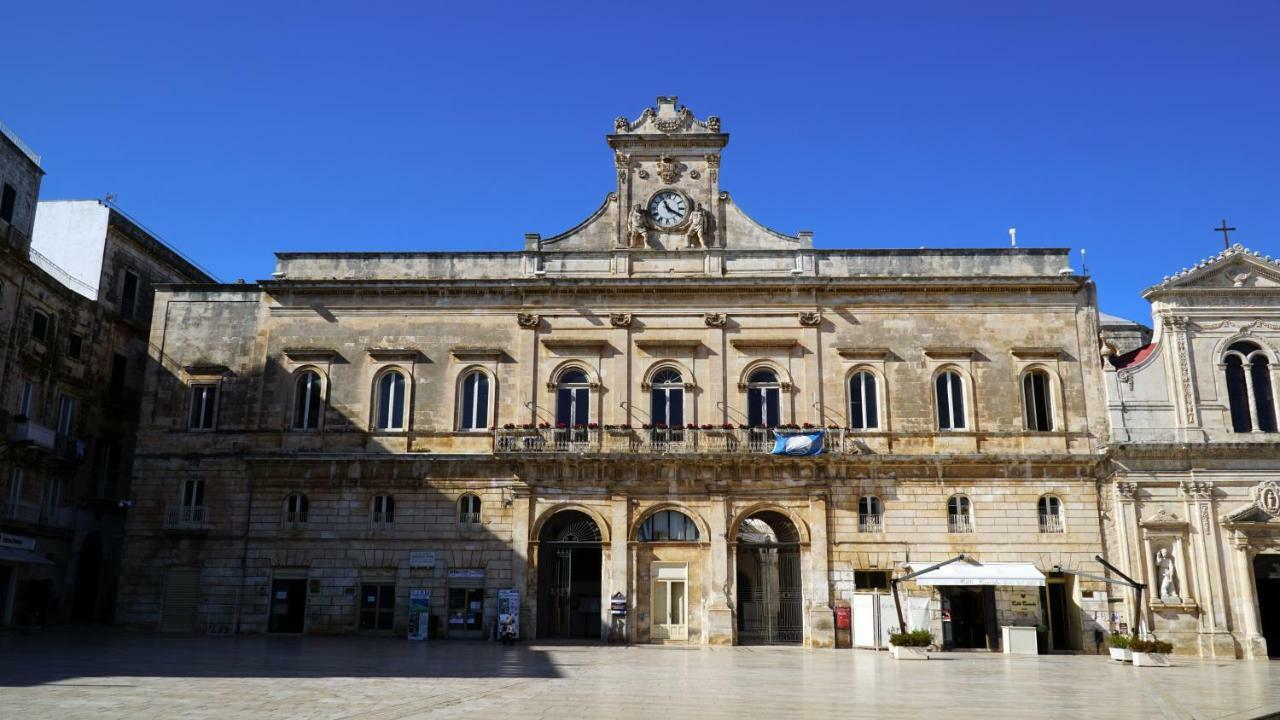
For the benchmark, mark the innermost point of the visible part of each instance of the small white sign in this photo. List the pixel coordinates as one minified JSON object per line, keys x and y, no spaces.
{"x":17,"y":541}
{"x":422,"y":558}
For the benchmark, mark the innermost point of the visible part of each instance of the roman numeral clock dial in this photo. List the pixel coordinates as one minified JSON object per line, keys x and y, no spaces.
{"x":668,"y":209}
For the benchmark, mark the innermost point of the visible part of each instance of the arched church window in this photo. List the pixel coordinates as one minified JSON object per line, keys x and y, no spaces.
{"x":1248,"y":375}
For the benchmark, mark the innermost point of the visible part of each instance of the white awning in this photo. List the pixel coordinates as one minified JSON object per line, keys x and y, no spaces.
{"x":971,"y":573}
{"x":22,"y":556}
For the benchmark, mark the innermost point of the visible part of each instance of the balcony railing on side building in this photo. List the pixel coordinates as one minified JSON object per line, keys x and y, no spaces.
{"x":959,"y":523}
{"x":1051,"y":524}
{"x":186,"y":517}
{"x":870,"y":523}
{"x":661,"y":441}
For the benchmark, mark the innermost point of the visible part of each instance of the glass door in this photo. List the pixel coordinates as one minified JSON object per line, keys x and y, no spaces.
{"x":670,"y":602}
{"x":377,"y":606}
{"x":466,"y":612}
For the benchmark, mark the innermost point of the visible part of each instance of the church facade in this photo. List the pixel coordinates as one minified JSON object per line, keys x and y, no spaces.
{"x":1193,"y":492}
{"x":588,"y":423}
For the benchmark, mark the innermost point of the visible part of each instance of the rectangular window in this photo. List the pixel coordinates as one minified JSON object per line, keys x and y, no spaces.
{"x":28,"y":404}
{"x":870,"y":580}
{"x":75,"y":344}
{"x":204,"y":402}
{"x":129,"y":294}
{"x":108,"y":468}
{"x":66,"y":414}
{"x":119,"y":367}
{"x":39,"y":326}
{"x":8,"y":201}
{"x":192,"y":493}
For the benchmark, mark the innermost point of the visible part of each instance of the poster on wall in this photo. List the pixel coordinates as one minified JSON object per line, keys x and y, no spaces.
{"x":508,"y":615}
{"x":419,"y":612}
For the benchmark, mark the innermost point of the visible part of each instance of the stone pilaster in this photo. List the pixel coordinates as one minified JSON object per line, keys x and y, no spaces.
{"x":719,"y":618}
{"x":820,"y":620}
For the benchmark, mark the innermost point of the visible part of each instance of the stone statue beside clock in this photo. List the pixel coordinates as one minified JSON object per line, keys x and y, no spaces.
{"x":667,"y":209}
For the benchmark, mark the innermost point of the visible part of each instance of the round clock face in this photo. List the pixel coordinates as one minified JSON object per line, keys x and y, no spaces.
{"x":668,"y":208}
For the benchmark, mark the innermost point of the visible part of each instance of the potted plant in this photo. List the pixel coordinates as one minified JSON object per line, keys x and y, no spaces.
{"x":1118,"y":646}
{"x":913,"y":645}
{"x":1150,"y":653}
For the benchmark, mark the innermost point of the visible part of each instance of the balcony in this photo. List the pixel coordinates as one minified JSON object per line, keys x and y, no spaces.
{"x":870,"y":523}
{"x":656,"y":441}
{"x":959,"y":524}
{"x":36,"y":514}
{"x":31,"y":433}
{"x":469,"y":520}
{"x":186,"y":517}
{"x":295,"y":520}
{"x":1051,"y":524}
{"x":381,"y":520}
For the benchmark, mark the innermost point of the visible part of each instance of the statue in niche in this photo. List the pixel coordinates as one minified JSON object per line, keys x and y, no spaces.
{"x":696,"y":235}
{"x":1166,"y":573}
{"x":636,"y":233}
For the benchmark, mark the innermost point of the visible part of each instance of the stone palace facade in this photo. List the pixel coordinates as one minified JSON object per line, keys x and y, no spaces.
{"x":588,"y":421}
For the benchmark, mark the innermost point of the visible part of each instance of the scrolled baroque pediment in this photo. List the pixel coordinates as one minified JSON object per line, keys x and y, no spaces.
{"x":1163,"y":518}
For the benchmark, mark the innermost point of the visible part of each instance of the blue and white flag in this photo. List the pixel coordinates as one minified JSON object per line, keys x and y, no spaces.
{"x":809,"y":443}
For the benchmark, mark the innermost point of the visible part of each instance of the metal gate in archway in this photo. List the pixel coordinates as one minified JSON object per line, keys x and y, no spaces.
{"x":769,"y":594}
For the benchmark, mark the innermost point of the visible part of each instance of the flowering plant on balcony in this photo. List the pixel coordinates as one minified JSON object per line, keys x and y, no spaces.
{"x":833,"y":426}
{"x":646,"y":426}
{"x":788,"y":426}
{"x":708,"y":426}
{"x":660,"y":426}
{"x":527,"y":426}
{"x":509,"y":426}
{"x":807,"y":426}
{"x":544,"y":426}
{"x":579,"y":426}
{"x":690,"y":426}
{"x":592,"y":426}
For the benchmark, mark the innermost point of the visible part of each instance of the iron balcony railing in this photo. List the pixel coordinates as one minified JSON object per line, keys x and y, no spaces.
{"x":1051,"y":524}
{"x":381,"y":519}
{"x":186,"y":517}
{"x":36,"y":513}
{"x":469,"y":519}
{"x":659,"y":441}
{"x":959,"y":524}
{"x":870,"y":523}
{"x":295,"y":518}
{"x":34,"y":433}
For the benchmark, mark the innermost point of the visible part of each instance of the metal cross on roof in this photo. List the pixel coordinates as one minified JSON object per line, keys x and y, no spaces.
{"x":1226,"y":240}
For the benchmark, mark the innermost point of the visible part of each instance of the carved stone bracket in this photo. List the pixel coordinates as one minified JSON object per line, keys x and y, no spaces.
{"x":620,"y":320}
{"x":810,"y":319}
{"x":1198,"y":489}
{"x":716,"y":320}
{"x":1128,"y":491}
{"x":528,"y":320}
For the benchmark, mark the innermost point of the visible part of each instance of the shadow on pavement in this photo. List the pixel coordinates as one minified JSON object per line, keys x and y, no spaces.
{"x":51,"y":656}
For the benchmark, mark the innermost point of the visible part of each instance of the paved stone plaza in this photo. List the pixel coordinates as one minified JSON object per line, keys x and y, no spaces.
{"x":120,"y":676}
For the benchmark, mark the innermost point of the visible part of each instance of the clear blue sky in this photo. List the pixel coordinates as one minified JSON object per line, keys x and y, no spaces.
{"x":239,"y":129}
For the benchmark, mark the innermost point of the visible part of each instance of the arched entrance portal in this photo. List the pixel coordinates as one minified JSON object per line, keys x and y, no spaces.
{"x":569,"y":567}
{"x":770,"y":602}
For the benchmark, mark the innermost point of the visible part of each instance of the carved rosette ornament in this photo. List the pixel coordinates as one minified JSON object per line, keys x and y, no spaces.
{"x":716,"y":320}
{"x":810,"y":319}
{"x":620,"y":320}
{"x":528,"y":321}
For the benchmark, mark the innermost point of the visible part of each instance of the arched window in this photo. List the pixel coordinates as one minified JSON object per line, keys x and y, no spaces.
{"x":295,"y":509}
{"x":1050,"y":508}
{"x":1035,"y":401}
{"x":475,"y":401}
{"x":668,"y":526}
{"x":959,"y":514}
{"x":469,"y":511}
{"x":764,"y":399}
{"x":308,"y":403}
{"x":1253,"y":405}
{"x":666,"y":399}
{"x":390,"y":401}
{"x":949,"y":390}
{"x":864,"y":410}
{"x":573,"y":399}
{"x":383,"y":510}
{"x":870,"y":514}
